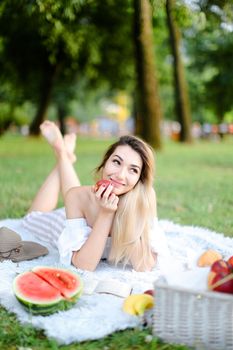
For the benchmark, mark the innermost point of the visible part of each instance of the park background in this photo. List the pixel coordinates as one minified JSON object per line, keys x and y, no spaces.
{"x":162,"y":70}
{"x":156,"y":68}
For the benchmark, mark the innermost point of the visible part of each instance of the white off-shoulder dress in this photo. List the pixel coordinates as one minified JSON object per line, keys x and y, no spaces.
{"x":69,"y":235}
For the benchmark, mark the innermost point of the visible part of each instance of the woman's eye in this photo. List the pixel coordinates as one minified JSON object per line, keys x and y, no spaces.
{"x":135,"y":171}
{"x":116,"y":161}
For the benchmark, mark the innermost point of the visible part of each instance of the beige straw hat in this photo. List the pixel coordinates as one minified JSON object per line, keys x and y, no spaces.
{"x":13,"y":248}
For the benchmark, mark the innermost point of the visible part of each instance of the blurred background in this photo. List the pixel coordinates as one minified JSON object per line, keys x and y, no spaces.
{"x":160,"y":69}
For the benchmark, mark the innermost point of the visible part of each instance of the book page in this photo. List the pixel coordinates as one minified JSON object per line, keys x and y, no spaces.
{"x":114,"y":287}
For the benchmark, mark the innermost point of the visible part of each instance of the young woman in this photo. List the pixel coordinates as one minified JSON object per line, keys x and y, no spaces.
{"x":116,"y":221}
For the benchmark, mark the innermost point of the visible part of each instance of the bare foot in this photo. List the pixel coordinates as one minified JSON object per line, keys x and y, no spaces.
{"x":52,"y":134}
{"x":70,"y":143}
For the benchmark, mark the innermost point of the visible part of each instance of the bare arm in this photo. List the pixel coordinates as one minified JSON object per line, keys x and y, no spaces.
{"x":89,"y":255}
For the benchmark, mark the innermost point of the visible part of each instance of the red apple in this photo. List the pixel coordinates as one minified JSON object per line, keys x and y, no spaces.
{"x":103,"y":182}
{"x":149,"y":292}
{"x":211,"y":276}
{"x":230,"y":261}
{"x":220,"y":266}
{"x":222,"y":282}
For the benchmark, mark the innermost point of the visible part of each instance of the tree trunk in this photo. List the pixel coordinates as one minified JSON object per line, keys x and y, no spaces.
{"x":61,"y":113}
{"x":4,"y":125}
{"x":149,"y":109}
{"x":180,"y":87}
{"x":46,"y":91}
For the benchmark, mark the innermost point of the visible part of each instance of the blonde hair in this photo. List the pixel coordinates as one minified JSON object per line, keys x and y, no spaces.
{"x":136,"y":208}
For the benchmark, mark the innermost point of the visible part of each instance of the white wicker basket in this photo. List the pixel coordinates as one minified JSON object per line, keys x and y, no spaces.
{"x":200,"y":320}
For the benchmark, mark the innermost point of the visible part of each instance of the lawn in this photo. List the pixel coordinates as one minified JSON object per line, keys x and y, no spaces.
{"x":193,"y":185}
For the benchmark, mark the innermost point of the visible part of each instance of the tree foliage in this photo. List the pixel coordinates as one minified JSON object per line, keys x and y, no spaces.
{"x":54,"y":43}
{"x":51,"y":49}
{"x":210,"y":47}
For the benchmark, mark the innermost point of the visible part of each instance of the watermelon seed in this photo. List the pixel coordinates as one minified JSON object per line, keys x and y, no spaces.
{"x":65,"y":280}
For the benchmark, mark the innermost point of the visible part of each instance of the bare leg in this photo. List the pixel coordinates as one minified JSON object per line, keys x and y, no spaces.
{"x":63,"y":176}
{"x":47,"y":196}
{"x":67,"y":173}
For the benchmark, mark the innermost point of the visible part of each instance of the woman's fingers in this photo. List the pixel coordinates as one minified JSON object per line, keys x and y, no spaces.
{"x":115,"y":200}
{"x":107,"y":198}
{"x":104,"y":192}
{"x":107,"y":192}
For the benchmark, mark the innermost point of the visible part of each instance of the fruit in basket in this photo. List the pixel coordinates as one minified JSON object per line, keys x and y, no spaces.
{"x":220,"y":277}
{"x":230,"y":262}
{"x":208,"y":258}
{"x":45,"y":290}
{"x":220,"y":266}
{"x":137,"y":304}
{"x":222,"y":283}
{"x":211,"y":276}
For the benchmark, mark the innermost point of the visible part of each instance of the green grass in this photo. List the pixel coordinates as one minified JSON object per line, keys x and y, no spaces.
{"x":193,"y":185}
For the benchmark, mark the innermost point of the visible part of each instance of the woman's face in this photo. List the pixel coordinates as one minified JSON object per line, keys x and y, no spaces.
{"x":123,"y":168}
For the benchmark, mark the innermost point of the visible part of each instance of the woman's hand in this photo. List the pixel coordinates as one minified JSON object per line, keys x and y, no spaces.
{"x":106,"y":198}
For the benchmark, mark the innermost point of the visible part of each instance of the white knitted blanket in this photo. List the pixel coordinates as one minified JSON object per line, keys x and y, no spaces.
{"x":97,"y":315}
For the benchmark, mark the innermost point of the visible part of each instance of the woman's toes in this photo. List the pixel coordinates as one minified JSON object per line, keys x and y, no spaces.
{"x":52,"y":134}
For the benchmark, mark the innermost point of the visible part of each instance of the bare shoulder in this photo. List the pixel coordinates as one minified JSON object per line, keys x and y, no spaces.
{"x":76,"y":200}
{"x":78,"y":191}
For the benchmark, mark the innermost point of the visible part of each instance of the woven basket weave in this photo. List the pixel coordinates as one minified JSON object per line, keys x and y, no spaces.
{"x":200,"y":320}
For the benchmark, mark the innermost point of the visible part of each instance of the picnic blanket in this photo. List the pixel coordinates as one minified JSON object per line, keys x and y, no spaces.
{"x":98,"y":315}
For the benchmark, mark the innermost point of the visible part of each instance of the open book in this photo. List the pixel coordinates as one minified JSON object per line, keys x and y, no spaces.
{"x":109,"y":286}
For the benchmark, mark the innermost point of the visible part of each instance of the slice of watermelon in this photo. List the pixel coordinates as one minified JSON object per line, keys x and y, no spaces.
{"x":46,"y":290}
{"x":67,"y":282}
{"x":36,"y":295}
{"x":35,"y":290}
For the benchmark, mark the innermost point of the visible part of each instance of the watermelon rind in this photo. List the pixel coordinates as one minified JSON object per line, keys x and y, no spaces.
{"x":43,"y":310}
{"x":47,"y":307}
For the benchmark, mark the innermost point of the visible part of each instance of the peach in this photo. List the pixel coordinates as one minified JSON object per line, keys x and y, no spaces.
{"x":208,"y":258}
